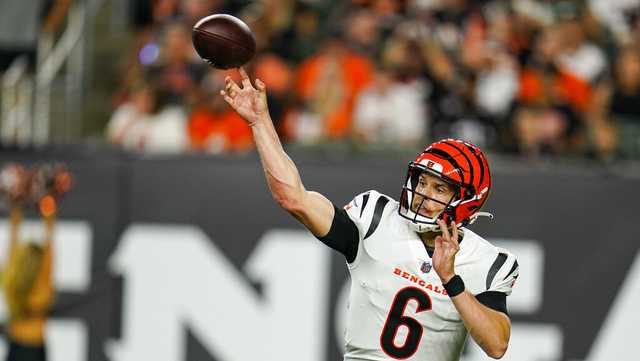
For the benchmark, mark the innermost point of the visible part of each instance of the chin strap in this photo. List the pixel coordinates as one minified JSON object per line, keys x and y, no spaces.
{"x":473,"y":218}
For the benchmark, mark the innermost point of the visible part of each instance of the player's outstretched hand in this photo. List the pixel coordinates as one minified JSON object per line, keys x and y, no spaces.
{"x":444,"y":254}
{"x":249,"y":102}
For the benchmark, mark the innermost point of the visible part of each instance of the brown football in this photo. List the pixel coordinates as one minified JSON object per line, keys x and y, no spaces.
{"x":224,"y":41}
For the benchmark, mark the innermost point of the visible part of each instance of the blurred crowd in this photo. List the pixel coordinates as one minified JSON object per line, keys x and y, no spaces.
{"x":522,"y":76}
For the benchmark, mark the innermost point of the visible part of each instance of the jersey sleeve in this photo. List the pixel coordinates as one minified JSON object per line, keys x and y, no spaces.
{"x":356,"y":211}
{"x":494,"y":300}
{"x":503,"y":273}
{"x":343,"y":235}
{"x":365,"y":211}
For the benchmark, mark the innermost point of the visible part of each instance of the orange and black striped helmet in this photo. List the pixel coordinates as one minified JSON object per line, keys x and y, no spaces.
{"x":463,"y":166}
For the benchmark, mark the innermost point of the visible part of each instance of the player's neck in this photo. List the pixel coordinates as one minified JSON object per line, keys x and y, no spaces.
{"x":428,"y":238}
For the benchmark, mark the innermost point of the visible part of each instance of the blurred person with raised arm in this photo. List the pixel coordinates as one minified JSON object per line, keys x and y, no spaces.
{"x":27,"y":277}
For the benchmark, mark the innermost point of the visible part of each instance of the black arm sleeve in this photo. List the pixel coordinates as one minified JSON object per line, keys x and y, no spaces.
{"x":494,"y":300}
{"x":343,"y":235}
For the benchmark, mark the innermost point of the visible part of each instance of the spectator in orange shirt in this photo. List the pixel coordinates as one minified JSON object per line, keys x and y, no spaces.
{"x":212,"y":126}
{"x":550,"y":99}
{"x":328,"y":84}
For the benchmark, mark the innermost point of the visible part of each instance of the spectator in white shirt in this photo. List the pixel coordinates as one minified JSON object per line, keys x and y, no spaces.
{"x":144,"y":124}
{"x":391,"y":112}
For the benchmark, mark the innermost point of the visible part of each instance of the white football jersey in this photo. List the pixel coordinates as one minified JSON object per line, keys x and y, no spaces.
{"x":398,"y":308}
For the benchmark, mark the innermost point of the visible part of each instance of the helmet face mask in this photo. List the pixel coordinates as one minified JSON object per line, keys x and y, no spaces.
{"x":412,"y":201}
{"x":465,"y":170}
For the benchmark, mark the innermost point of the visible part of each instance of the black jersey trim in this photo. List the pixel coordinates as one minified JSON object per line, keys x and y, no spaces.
{"x":513,"y":269}
{"x":497,"y":264}
{"x":365,"y":199}
{"x":343,"y":235}
{"x":377,"y":215}
{"x":495,"y":300}
{"x":429,"y":250}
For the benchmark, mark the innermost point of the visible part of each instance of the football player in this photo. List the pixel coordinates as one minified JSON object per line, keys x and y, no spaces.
{"x":420,"y":280}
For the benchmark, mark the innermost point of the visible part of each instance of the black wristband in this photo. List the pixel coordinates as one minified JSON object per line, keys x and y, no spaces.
{"x":454,"y":287}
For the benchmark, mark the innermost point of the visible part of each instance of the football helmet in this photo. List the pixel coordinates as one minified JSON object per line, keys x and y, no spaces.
{"x":461,"y":165}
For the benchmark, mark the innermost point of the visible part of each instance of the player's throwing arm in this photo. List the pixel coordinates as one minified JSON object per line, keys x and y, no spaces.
{"x":311,"y":208}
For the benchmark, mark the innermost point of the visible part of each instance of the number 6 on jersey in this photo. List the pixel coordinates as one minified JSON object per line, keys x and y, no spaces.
{"x":396,"y":319}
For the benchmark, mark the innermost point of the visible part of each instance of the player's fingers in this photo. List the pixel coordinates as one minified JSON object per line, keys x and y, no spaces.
{"x":226,"y":97}
{"x":454,"y":232}
{"x":443,"y":228}
{"x":228,"y":91}
{"x":230,"y":84}
{"x":246,"y":82}
{"x":261,"y":86}
{"x":243,"y":73}
{"x":437,"y":244}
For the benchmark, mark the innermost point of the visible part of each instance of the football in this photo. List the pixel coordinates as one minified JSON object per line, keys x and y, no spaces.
{"x":224,"y":41}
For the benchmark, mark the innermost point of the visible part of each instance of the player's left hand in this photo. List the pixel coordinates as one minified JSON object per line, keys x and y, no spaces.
{"x":446,"y":247}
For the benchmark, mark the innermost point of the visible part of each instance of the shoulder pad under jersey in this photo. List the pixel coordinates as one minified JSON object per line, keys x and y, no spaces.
{"x":365,"y":210}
